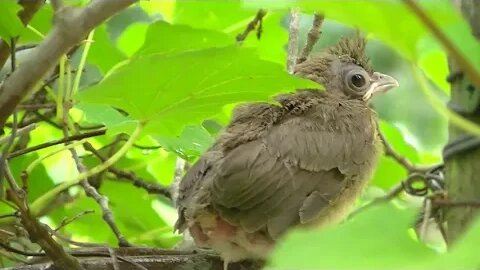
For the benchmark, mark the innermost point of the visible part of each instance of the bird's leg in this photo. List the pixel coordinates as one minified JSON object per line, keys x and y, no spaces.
{"x":225,"y":264}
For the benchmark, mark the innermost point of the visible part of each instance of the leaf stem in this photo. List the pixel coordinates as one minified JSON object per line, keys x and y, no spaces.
{"x":47,"y":197}
{"x":450,"y":47}
{"x":37,"y":161}
{"x":61,"y":87}
{"x":35,"y":31}
{"x":81,"y":65}
{"x":438,"y":105}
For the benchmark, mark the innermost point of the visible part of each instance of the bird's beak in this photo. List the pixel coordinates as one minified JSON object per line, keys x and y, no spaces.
{"x":380,"y":83}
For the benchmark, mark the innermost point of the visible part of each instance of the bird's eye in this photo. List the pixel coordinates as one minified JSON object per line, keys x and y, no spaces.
{"x":358,"y":80}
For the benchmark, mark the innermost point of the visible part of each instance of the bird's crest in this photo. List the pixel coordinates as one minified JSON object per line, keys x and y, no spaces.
{"x":352,"y":49}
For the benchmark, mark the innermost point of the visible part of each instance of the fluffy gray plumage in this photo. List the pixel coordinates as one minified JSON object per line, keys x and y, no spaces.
{"x":304,"y":160}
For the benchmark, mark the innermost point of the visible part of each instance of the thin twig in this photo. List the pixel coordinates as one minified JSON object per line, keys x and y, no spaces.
{"x":41,"y":236}
{"x":31,"y":107}
{"x":389,"y":151}
{"x":445,"y":203}
{"x":394,"y":192}
{"x":25,"y":47}
{"x":149,"y":186}
{"x":3,"y":158}
{"x":312,"y":37}
{"x":21,"y":252}
{"x":10,"y":256}
{"x":103,"y":203}
{"x":67,"y":221}
{"x":452,"y":50}
{"x":13,"y":54}
{"x":257,"y":20}
{"x":11,"y":180}
{"x":293,"y":35}
{"x":76,"y":137}
{"x":19,"y":132}
{"x":74,"y":253}
{"x":89,"y":189}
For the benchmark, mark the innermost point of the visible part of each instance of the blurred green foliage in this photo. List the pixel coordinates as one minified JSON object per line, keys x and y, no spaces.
{"x":10,"y":24}
{"x":175,"y":66}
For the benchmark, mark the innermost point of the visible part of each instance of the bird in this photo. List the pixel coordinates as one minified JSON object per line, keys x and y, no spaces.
{"x":298,"y":162}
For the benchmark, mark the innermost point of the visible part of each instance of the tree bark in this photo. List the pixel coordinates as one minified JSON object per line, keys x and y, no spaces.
{"x":462,"y":170}
{"x":146,"y":257}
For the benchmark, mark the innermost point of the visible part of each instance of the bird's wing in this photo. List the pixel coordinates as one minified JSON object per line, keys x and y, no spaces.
{"x":288,"y":177}
{"x":248,"y":123}
{"x":189,"y":187}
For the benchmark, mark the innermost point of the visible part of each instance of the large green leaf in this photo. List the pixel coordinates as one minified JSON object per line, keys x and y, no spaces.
{"x":193,"y":141}
{"x":103,"y":52}
{"x":170,"y":91}
{"x":375,"y":239}
{"x":10,"y":24}
{"x":218,"y":15}
{"x":132,"y":38}
{"x":231,"y":17}
{"x":163,"y":38}
{"x":114,"y":121}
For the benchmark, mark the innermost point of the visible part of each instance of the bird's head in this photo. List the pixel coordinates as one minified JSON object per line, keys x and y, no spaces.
{"x":344,"y":69}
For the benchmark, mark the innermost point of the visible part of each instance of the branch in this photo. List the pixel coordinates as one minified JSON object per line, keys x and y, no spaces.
{"x":37,"y":231}
{"x":293,"y":29}
{"x":149,"y":186}
{"x":312,"y":37}
{"x":20,"y":132}
{"x":71,"y":26}
{"x":90,"y":190}
{"x":252,"y":25}
{"x":75,"y":137}
{"x":452,"y":50}
{"x":30,"y":7}
{"x":99,"y":259}
{"x":390,"y":152}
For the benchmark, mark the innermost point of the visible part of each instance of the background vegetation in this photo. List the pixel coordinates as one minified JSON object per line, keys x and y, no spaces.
{"x":168,"y":73}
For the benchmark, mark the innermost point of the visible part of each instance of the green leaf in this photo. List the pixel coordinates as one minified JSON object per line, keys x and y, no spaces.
{"x":133,"y":37}
{"x":114,"y":121}
{"x":163,"y":38}
{"x":378,"y":238}
{"x":193,"y":141}
{"x":228,"y":15}
{"x":41,"y":21}
{"x":103,"y":52}
{"x":388,"y":173}
{"x":434,"y":64}
{"x":10,"y":24}
{"x":171,"y":91}
{"x":395,"y":139}
{"x":232,"y":17}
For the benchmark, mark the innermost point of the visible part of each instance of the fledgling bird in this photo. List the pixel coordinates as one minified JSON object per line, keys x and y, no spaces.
{"x":304,"y":160}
